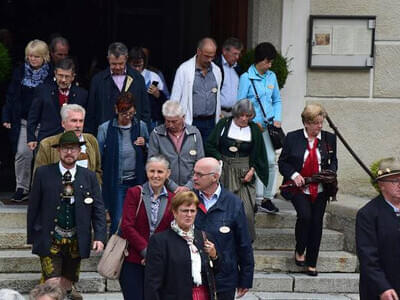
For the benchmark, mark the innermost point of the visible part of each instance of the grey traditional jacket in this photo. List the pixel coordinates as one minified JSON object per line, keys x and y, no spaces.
{"x":181,"y":163}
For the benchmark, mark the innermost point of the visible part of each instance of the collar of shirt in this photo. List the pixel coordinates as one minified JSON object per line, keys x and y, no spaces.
{"x":198,"y":69}
{"x":213,"y":199}
{"x":306,"y":134}
{"x":396,"y":210}
{"x":224,"y":62}
{"x":63,"y":170}
{"x":163,"y":193}
{"x":64,"y":92}
{"x":123,"y":74}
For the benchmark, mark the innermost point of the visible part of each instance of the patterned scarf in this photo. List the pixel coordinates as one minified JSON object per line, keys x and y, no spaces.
{"x":194,"y":252}
{"x":32,"y":78}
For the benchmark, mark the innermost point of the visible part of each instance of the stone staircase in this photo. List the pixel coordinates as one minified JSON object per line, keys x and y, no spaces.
{"x":276,"y":275}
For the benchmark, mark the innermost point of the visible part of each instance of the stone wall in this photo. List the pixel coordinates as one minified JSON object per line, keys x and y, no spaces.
{"x":365,"y":105}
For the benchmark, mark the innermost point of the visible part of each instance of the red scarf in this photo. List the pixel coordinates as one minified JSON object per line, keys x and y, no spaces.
{"x":310,"y":168}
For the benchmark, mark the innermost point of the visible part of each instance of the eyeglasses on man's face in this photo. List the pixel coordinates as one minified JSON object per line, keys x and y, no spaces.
{"x":72,"y":149}
{"x":200,"y":175}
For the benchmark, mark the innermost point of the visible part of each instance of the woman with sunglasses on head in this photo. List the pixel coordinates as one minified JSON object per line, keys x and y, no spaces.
{"x":122,"y":143}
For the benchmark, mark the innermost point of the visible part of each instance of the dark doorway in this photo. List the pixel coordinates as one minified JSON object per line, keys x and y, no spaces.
{"x":169,"y":28}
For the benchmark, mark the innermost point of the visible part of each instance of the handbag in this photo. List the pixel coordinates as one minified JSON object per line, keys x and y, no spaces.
{"x":111,"y":261}
{"x":276,"y":134}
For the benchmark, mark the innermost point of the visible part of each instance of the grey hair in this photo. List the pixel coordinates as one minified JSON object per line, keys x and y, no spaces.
{"x":47,"y":289}
{"x":65,"y":109}
{"x":117,"y":49}
{"x":241,"y":107}
{"x":218,"y":168}
{"x":232,"y":42}
{"x":8,"y":294}
{"x":58,"y":40}
{"x":159,"y":159}
{"x":172,"y":109}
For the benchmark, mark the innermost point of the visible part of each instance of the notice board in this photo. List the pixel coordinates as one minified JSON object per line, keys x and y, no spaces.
{"x":341,"y":42}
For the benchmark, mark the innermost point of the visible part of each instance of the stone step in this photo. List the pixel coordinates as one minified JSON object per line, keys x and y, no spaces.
{"x":292,"y":285}
{"x":302,"y":283}
{"x":23,"y":283}
{"x":13,"y":238}
{"x":283,"y":261}
{"x":14,"y":217}
{"x":298,"y":296}
{"x":283,"y":219}
{"x":23,"y":261}
{"x":284,"y":239}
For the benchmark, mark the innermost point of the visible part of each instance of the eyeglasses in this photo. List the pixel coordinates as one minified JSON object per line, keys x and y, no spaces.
{"x":186,"y":211}
{"x":127,"y":114}
{"x":392,"y":181}
{"x":200,"y":175}
{"x":73,"y":149}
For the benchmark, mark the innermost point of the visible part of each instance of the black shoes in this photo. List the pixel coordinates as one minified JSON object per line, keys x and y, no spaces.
{"x":300,"y":263}
{"x":313,"y":273}
{"x":268,"y":206}
{"x":20,"y":195}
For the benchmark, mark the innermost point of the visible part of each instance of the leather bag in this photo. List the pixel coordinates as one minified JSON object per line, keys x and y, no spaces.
{"x":111,"y":261}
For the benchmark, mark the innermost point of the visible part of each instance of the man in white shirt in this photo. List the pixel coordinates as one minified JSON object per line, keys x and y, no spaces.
{"x":231,"y":71}
{"x":197,"y":87}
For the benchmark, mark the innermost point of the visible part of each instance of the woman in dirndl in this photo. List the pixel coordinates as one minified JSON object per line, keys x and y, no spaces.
{"x":238,"y":143}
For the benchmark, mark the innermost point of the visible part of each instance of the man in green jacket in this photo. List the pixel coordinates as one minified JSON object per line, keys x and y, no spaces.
{"x":72,"y":116}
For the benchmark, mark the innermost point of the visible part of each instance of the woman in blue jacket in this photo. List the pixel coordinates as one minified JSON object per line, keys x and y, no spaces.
{"x":260,"y":81}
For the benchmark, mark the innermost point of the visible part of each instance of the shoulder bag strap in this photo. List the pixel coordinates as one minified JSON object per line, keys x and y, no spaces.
{"x":258,"y":98}
{"x":137,"y":209}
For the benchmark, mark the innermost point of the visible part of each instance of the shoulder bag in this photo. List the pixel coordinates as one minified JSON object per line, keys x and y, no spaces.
{"x":111,"y":261}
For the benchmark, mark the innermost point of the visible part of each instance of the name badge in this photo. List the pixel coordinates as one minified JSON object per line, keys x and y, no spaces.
{"x":88,"y":200}
{"x":193,"y":152}
{"x":233,"y":149}
{"x":224,"y":229}
{"x":271,"y":86}
{"x":214,"y":90}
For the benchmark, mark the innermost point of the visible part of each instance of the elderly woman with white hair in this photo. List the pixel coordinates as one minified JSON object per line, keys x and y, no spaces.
{"x":180,"y":143}
{"x":238,"y":143}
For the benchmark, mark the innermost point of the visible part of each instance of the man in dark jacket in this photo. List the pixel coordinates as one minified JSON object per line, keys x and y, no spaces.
{"x":108,"y":84}
{"x":65,"y":204}
{"x":221,"y":214}
{"x":49,"y":98}
{"x":378,"y":237}
{"x":231,"y":72}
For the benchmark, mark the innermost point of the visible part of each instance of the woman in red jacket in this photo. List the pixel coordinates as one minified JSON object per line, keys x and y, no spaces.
{"x":147,"y":210}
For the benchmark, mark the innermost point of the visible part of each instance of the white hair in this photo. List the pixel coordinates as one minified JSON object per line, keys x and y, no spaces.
{"x":172,"y":109}
{"x":158,"y":158}
{"x":65,"y":109}
{"x":218,"y":168}
{"x":7,"y":294}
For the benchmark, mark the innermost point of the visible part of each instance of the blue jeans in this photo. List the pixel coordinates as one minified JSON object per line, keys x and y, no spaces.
{"x":270,"y":190}
{"x":115,"y":209}
{"x":131,"y":281}
{"x":205,"y":127}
